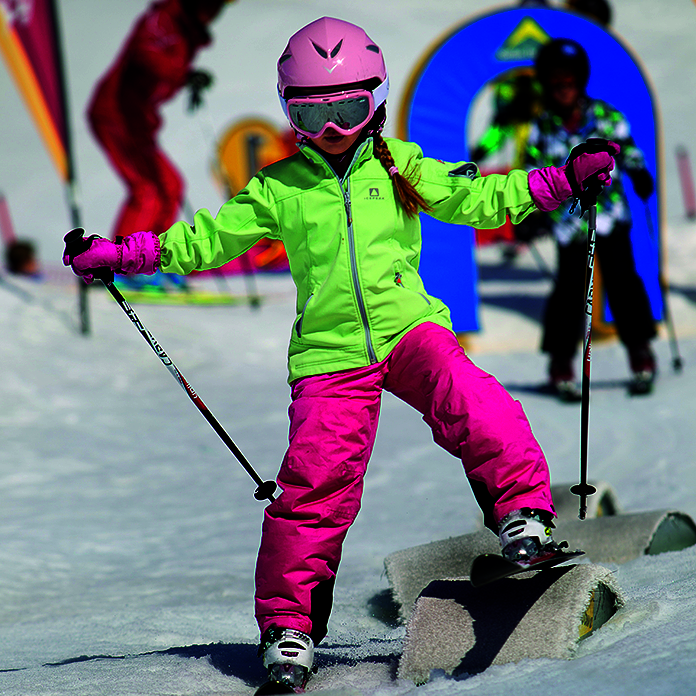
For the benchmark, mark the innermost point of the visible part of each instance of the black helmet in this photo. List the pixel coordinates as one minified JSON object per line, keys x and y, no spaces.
{"x":599,"y":10}
{"x":562,"y":54}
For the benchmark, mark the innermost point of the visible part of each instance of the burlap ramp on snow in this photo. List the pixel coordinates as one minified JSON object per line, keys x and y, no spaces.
{"x":463,"y":630}
{"x":614,"y":539}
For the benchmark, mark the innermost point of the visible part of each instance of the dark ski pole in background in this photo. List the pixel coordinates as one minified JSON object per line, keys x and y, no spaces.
{"x":542,"y":265}
{"x":75,"y":244}
{"x":677,"y":362}
{"x":253,"y":296}
{"x":687,"y":182}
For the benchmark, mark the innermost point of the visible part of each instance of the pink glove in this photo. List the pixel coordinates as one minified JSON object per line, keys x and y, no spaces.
{"x":138,"y":253}
{"x":550,"y":186}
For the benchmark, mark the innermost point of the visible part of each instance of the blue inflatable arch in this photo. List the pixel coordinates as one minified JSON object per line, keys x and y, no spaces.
{"x":437,"y":106}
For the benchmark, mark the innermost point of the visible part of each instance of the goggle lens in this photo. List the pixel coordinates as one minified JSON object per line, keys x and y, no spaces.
{"x":348,"y":114}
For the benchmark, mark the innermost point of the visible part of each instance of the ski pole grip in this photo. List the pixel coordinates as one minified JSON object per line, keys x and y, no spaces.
{"x":586,"y":196}
{"x":76,"y":244}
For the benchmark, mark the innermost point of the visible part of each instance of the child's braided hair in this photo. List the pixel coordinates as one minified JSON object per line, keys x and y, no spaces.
{"x":405,"y":188}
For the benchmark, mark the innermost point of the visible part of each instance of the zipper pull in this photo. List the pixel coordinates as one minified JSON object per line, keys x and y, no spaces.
{"x":346,"y":199}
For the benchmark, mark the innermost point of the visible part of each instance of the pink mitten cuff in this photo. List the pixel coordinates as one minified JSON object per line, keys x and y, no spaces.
{"x":549,"y":187}
{"x":140,"y":253}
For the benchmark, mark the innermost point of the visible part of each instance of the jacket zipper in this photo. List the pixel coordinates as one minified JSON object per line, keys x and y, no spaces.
{"x":354,"y":272}
{"x":353,"y":258}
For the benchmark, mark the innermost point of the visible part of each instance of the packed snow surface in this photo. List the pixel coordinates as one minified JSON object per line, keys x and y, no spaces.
{"x":129,"y":532}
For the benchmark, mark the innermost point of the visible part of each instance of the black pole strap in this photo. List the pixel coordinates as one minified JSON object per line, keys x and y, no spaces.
{"x":76,"y":244}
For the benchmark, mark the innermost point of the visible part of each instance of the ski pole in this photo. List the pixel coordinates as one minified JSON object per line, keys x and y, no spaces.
{"x":75,"y":244}
{"x":677,"y":362}
{"x":583,"y":489}
{"x":252,"y":295}
{"x":687,"y":182}
{"x":248,"y":270}
{"x":543,"y":266}
{"x":587,"y":198}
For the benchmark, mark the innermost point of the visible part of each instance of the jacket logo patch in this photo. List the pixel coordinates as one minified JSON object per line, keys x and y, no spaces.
{"x":373,"y":195}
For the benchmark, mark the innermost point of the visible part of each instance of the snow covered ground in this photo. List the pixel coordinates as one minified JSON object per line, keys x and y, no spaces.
{"x":128,"y":533}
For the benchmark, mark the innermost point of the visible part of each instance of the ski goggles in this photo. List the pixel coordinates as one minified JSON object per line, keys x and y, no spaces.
{"x":345,"y":112}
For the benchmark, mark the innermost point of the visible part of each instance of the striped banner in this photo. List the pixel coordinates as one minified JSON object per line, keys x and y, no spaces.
{"x":29,"y":44}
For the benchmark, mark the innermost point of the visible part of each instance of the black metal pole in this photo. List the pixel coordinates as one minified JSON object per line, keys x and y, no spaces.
{"x":76,"y":244}
{"x":677,"y":362}
{"x":71,"y":175}
{"x":583,"y":489}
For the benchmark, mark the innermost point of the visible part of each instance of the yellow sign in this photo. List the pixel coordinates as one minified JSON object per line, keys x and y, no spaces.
{"x":524,"y":42}
{"x":244,"y":148}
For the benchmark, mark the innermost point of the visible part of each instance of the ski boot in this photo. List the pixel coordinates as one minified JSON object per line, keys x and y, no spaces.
{"x":562,"y":380}
{"x":288,"y":655}
{"x":643,"y":369}
{"x":525,"y":536}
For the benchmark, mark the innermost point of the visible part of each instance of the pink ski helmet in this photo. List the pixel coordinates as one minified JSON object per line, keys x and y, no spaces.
{"x":331,"y":53}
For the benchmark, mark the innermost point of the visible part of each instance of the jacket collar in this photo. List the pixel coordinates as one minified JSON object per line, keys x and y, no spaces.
{"x":362,"y":154}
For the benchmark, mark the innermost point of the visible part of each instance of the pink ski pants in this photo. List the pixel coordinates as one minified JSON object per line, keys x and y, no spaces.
{"x":333,"y":422}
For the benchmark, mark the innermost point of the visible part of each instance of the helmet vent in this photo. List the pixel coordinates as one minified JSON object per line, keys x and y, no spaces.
{"x":320,"y":50}
{"x":334,"y":53}
{"x":373,"y":48}
{"x":285,"y":57}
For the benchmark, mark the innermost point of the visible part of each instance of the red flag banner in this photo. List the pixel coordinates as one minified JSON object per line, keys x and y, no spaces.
{"x":29,"y":44}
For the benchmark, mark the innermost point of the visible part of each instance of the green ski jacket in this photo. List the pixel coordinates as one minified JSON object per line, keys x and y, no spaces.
{"x":352,"y":250}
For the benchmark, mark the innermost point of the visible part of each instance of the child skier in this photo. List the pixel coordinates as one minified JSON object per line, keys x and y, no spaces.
{"x":569,"y":118}
{"x":346,"y":207}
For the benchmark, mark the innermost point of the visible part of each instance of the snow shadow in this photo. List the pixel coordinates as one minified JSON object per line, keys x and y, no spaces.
{"x":238,"y":660}
{"x":525,"y":301}
{"x":494,"y":620}
{"x":545,"y":389}
{"x":530,"y":306}
{"x":689,"y":292}
{"x":510,"y":271}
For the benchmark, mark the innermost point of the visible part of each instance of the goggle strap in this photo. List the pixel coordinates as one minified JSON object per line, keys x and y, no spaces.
{"x":379,"y":93}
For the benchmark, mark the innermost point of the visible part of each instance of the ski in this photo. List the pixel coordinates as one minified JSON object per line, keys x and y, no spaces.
{"x":490,"y":567}
{"x":194,"y":297}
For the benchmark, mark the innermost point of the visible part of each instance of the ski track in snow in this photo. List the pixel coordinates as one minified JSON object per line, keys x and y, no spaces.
{"x":129,"y":533}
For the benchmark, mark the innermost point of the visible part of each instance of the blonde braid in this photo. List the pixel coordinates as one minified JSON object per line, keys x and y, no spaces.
{"x":405,"y":188}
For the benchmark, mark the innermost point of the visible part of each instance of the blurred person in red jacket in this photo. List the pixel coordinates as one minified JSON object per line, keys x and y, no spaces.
{"x":151,"y":68}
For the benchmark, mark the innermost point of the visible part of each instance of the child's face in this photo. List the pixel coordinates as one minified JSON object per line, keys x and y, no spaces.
{"x":564,"y":89}
{"x":334,"y":143}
